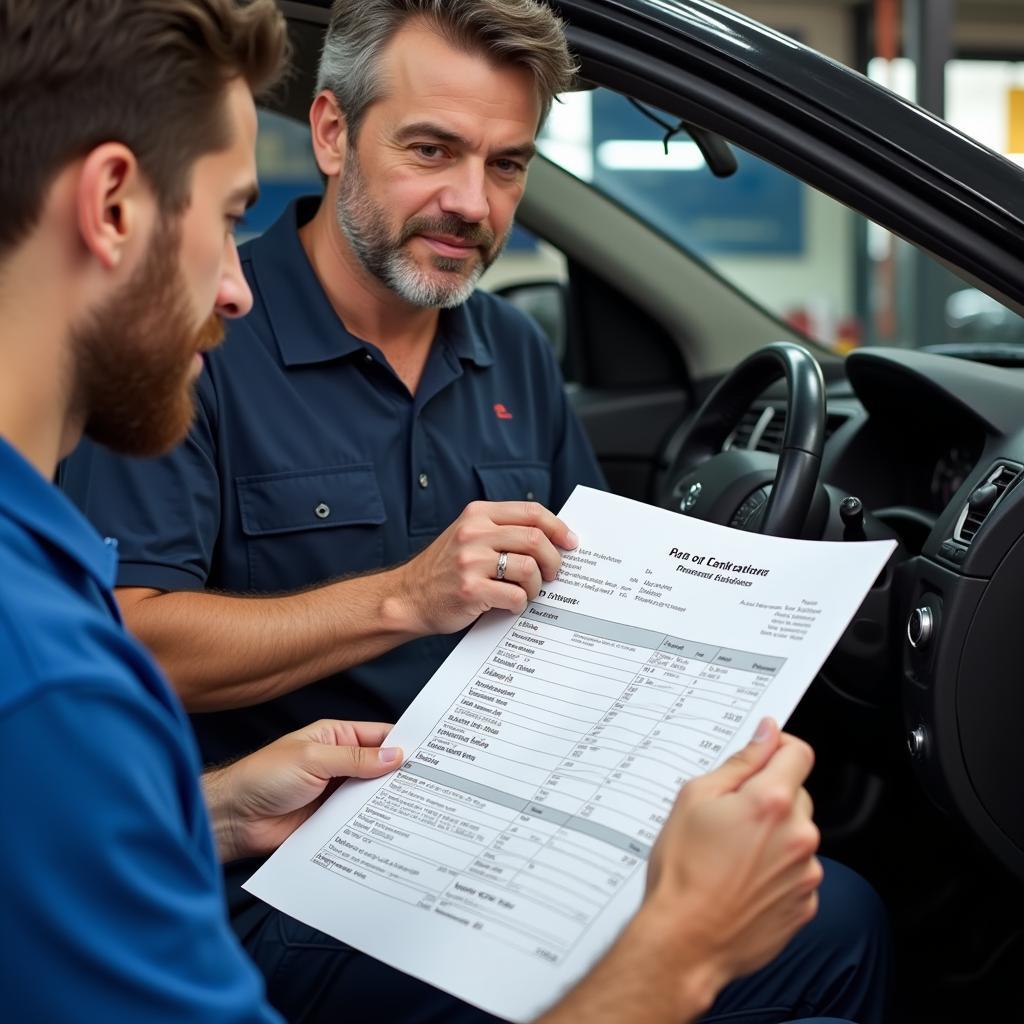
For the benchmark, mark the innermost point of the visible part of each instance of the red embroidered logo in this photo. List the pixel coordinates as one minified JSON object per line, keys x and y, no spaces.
{"x":501,"y":412}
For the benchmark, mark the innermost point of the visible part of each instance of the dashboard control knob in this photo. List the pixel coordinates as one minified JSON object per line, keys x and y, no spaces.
{"x":851,"y":509}
{"x":851,"y":513}
{"x":920,"y":627}
{"x":917,"y":742}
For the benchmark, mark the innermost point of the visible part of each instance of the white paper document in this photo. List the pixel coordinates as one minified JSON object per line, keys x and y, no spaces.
{"x":507,"y":853}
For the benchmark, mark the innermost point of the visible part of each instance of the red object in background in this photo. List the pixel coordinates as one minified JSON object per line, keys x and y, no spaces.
{"x":844,"y":336}
{"x":887,"y":29}
{"x":801,"y":320}
{"x":848,"y":334}
{"x":501,"y":412}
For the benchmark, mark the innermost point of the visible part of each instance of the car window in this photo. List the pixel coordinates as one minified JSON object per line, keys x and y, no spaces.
{"x":835,"y":276}
{"x":825,"y":269}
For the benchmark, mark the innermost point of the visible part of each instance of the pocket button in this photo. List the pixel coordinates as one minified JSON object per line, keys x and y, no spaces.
{"x":322,"y":511}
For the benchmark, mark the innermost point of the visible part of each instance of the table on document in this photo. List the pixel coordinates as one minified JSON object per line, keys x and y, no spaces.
{"x":549,"y":776}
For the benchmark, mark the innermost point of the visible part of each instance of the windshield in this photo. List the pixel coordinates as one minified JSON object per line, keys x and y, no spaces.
{"x":828,"y":271}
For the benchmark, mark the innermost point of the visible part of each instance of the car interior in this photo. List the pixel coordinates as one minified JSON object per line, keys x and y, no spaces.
{"x":684,"y":375}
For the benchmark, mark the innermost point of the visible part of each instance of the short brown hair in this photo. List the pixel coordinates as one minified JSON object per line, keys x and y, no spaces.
{"x":523,"y":32}
{"x":151,"y":74}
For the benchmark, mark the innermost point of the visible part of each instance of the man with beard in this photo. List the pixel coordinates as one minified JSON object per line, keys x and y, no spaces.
{"x":369,"y":395}
{"x":117,"y":265}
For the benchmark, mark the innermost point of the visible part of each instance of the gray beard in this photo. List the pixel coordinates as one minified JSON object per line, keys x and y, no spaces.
{"x":384,"y":256}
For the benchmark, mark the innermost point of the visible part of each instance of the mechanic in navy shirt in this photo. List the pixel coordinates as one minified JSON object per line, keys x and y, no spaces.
{"x":369,"y":396}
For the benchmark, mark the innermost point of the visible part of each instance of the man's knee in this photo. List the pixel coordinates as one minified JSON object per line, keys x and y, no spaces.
{"x":851,"y":914}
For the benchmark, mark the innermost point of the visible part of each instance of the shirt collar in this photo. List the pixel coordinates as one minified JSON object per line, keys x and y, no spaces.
{"x":304,"y":323}
{"x":41,"y":508}
{"x":459,"y":329}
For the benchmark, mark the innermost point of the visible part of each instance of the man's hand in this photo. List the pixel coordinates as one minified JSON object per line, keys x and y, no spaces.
{"x":454,"y":581}
{"x":257,"y":802}
{"x":730,"y":880}
{"x":736,"y":858}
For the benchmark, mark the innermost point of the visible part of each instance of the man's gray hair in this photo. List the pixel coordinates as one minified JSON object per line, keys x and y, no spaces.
{"x":507,"y":32}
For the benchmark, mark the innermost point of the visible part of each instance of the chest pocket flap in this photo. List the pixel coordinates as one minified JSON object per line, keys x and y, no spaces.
{"x":515,"y":481}
{"x":316,"y":499}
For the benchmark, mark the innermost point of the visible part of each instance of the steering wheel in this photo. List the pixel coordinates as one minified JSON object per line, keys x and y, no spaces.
{"x":750,"y":489}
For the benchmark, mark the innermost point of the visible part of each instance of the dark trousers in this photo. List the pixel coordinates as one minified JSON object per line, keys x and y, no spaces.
{"x":836,"y":967}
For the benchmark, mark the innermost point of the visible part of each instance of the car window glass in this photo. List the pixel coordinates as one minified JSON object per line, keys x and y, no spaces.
{"x":825,"y":269}
{"x":831,"y":273}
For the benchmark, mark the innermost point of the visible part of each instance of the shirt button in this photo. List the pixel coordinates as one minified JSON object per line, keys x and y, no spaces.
{"x":529,"y":495}
{"x":111,"y":542}
{"x":322,"y":511}
{"x":367,"y":357}
{"x":424,"y":481}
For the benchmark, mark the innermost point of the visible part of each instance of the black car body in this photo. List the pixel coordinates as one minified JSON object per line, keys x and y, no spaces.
{"x":917,"y":784}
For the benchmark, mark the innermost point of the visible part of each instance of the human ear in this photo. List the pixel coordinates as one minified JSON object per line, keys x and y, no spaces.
{"x":329,"y":133}
{"x":110,"y":203}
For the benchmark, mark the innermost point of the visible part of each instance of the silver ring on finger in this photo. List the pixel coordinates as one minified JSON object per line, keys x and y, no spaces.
{"x":502,"y":565}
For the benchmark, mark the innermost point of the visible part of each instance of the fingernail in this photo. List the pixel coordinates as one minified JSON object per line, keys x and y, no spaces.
{"x":389,"y":755}
{"x":764,"y":730}
{"x":572,"y":539}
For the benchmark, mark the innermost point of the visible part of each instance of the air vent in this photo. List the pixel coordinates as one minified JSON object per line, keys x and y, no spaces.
{"x":984,"y":498}
{"x":774,"y":433}
{"x":749,"y":427}
{"x":763,"y":428}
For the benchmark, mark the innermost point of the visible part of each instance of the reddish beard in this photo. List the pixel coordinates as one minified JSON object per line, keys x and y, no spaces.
{"x":134,"y":357}
{"x":211,"y":334}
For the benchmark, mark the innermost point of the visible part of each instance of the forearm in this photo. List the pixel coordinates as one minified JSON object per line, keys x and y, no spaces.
{"x":648,"y":977}
{"x":221,"y":651}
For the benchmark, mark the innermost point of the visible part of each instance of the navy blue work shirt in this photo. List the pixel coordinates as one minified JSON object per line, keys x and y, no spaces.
{"x":111,"y":890}
{"x":310,"y":460}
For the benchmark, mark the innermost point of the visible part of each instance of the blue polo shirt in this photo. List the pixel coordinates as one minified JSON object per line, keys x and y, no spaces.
{"x":111,"y":891}
{"x":310,"y":460}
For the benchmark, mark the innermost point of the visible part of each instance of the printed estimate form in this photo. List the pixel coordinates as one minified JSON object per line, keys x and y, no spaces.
{"x":507,"y":853}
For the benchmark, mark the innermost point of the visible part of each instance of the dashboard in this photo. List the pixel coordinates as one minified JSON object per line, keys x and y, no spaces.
{"x":907,"y":467}
{"x":951,"y":468}
{"x":934,"y":447}
{"x":891,"y":458}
